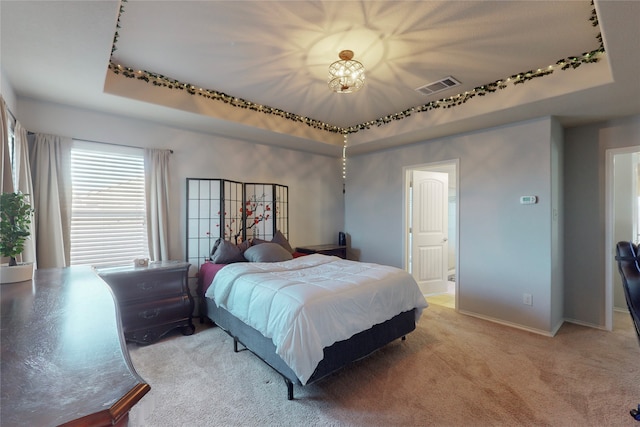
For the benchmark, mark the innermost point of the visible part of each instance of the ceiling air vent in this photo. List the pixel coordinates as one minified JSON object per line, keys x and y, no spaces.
{"x":438,"y":86}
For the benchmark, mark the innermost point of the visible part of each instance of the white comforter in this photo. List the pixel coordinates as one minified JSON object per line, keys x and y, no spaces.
{"x":311,"y":302}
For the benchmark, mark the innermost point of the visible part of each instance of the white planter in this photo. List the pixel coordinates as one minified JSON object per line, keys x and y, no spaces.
{"x":16,"y":273}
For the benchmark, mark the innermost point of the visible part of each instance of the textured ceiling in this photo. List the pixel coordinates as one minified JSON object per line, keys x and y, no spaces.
{"x":278,"y":53}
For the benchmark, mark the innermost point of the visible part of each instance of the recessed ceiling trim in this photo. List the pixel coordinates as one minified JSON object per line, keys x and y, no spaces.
{"x":572,"y":62}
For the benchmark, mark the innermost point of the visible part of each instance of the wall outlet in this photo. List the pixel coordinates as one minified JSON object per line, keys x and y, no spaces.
{"x":527,"y":299}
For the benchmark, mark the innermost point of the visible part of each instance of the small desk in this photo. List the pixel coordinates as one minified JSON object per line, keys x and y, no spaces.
{"x":64,"y":359}
{"x":335,"y":250}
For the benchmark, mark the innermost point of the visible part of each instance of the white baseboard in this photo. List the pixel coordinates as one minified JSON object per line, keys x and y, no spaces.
{"x":587,"y":324}
{"x":513,"y":325}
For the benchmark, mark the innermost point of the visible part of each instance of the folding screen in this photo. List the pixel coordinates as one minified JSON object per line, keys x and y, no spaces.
{"x":234,"y":211}
{"x":266,"y":210}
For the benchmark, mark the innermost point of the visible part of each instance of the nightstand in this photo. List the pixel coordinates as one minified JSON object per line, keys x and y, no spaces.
{"x":335,"y":250}
{"x":153,"y":300}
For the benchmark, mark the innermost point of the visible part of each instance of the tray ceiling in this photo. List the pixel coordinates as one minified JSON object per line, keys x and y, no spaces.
{"x":275,"y":55}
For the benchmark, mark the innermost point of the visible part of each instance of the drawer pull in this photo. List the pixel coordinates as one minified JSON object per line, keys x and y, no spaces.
{"x":146,"y":286}
{"x":149,"y":314}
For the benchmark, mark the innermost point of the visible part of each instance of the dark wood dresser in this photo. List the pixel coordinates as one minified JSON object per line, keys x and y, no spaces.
{"x":153,"y":300}
{"x":64,"y":360}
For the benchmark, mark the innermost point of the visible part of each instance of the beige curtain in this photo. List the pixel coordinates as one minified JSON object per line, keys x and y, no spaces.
{"x":25,"y":185}
{"x":22,"y":173}
{"x":51,"y":169}
{"x":7,"y":179}
{"x":156,"y":169}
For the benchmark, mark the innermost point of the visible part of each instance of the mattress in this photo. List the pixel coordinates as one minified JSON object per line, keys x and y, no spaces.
{"x":309,"y":303}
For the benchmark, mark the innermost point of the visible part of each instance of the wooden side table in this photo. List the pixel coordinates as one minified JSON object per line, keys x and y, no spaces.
{"x":335,"y":250}
{"x":153,"y":300}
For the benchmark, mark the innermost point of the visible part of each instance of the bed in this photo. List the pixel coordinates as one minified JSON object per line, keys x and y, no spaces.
{"x":309,"y":316}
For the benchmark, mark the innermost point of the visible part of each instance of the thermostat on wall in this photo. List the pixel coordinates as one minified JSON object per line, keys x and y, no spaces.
{"x":528,"y":200}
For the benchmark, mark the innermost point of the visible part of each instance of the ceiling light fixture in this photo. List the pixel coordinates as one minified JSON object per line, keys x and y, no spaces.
{"x":346,"y":75}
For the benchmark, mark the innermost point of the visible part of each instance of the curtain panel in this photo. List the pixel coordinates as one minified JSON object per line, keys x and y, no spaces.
{"x":6,"y":179}
{"x":51,"y":172}
{"x":156,"y":169}
{"x":22,"y":173}
{"x":7,"y":176}
{"x":25,"y":185}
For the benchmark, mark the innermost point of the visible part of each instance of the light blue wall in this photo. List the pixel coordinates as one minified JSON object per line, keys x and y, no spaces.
{"x":504,"y":247}
{"x":7,"y":92}
{"x":561,"y":263}
{"x":623,"y":221}
{"x":557,"y":226}
{"x":585,"y":207}
{"x":316,"y":210}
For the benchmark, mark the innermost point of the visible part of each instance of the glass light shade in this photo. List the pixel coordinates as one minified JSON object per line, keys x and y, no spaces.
{"x":347,"y":74}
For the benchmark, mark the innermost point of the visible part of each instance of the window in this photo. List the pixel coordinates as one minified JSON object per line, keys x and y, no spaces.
{"x":12,"y":152}
{"x":108,"y":217}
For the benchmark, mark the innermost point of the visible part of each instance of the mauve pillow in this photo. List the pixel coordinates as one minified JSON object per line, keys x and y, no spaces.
{"x":282,"y":241}
{"x":267,"y":252}
{"x":278,"y":238}
{"x":225,"y":252}
{"x":257,"y":241}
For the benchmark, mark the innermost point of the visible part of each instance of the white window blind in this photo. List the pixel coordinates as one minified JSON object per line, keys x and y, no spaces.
{"x":108,"y":219}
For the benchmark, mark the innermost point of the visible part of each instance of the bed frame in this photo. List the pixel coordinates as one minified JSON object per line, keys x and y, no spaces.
{"x":336,"y":356}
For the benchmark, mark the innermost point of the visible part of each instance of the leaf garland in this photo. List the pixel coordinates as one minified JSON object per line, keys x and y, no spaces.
{"x":159,"y":80}
{"x":163,"y":81}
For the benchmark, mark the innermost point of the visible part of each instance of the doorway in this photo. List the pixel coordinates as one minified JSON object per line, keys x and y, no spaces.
{"x":431,"y":230}
{"x":622,"y":219}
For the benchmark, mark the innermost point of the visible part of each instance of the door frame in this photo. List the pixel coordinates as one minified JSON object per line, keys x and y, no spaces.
{"x":609,"y":244}
{"x":434,"y":167}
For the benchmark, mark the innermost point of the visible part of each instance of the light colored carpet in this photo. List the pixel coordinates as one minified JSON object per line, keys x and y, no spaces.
{"x":454,"y":370}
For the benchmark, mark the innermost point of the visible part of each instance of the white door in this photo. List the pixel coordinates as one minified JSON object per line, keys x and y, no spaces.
{"x":429,"y":226}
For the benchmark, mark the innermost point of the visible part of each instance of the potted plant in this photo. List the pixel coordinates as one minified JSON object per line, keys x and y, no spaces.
{"x":15,"y":220}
